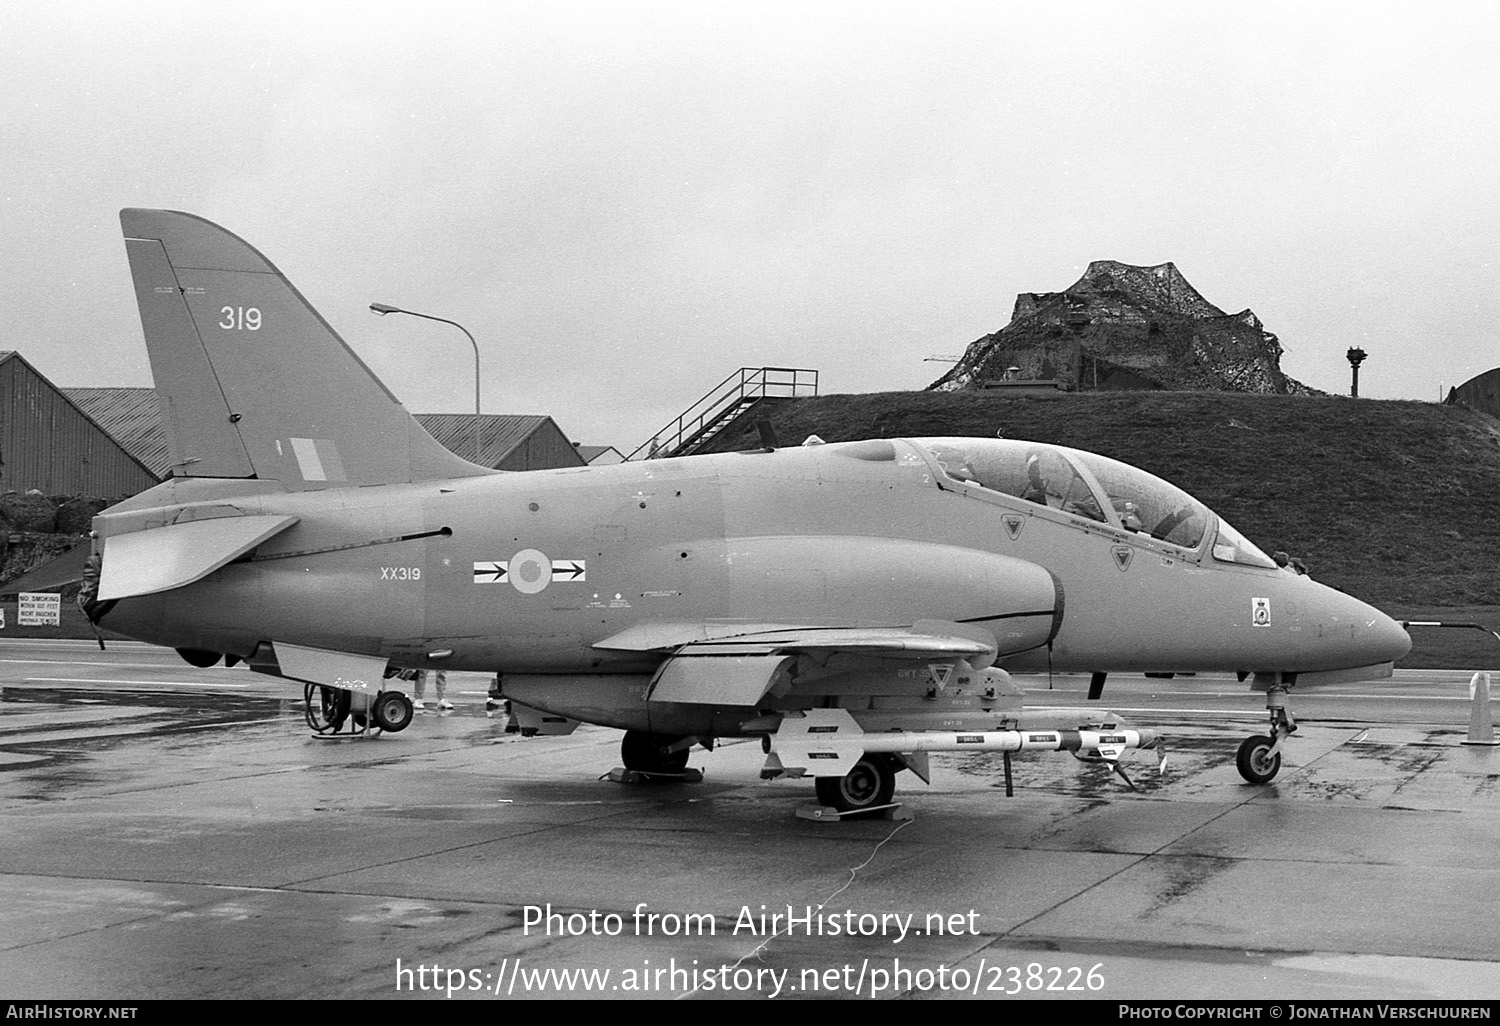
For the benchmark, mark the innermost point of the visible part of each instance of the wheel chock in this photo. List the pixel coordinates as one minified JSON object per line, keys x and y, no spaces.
{"x":824,"y":814}
{"x":621,"y":775}
{"x":1481,"y":726}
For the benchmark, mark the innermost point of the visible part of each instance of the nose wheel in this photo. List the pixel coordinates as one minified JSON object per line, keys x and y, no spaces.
{"x":1259,"y":757}
{"x":1257,"y":761}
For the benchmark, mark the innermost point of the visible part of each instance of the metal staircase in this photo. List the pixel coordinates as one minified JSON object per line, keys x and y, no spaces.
{"x":726,"y":402}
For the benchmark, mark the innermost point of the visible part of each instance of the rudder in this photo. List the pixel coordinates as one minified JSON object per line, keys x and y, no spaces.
{"x":251,"y":380}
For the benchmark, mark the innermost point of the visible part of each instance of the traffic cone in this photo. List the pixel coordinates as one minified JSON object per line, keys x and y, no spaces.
{"x":1481,"y":727}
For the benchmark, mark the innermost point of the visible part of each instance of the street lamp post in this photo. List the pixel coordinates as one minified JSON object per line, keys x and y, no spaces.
{"x":1356,"y":357}
{"x":385,"y":308}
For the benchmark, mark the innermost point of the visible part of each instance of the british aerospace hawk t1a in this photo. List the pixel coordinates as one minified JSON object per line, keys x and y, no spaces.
{"x":856,"y":605}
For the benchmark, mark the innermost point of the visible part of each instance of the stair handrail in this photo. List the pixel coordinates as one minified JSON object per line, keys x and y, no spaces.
{"x":747,"y":382}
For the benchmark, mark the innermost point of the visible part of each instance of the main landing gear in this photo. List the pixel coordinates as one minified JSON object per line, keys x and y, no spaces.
{"x":1259,"y":757}
{"x":655,"y":759}
{"x":869,"y":785}
{"x":654,"y":753}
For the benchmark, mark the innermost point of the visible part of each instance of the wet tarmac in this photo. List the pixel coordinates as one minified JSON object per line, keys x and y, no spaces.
{"x":167,"y":832}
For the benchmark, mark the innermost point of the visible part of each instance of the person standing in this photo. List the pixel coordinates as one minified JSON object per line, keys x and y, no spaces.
{"x":419,"y":689}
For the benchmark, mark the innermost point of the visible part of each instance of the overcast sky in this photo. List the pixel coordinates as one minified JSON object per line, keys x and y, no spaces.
{"x":625,"y":201}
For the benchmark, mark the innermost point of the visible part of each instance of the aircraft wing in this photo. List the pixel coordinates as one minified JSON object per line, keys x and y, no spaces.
{"x":924,"y":639}
{"x":662,"y":636}
{"x":886,"y":643}
{"x":739,"y":668}
{"x":163,"y":558}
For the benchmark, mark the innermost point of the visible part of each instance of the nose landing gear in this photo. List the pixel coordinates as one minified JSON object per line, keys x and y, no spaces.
{"x":1259,"y":757}
{"x":1258,"y":761}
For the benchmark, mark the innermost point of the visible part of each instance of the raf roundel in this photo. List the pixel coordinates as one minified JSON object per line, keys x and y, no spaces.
{"x":530,"y":571}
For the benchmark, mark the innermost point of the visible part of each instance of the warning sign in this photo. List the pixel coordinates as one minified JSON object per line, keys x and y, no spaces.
{"x":39,"y":609}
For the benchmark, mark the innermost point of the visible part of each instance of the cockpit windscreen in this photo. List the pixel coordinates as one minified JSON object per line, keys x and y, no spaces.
{"x":1083,"y":484}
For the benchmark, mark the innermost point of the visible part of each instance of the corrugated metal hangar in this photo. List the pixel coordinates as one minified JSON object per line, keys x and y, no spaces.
{"x":48,"y":444}
{"x":509,"y":441}
{"x":109,"y":442}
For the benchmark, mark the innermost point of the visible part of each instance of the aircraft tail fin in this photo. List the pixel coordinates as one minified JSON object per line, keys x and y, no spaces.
{"x":252,"y":382}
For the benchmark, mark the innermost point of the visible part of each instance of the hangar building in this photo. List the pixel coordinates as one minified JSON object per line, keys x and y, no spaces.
{"x":50,"y":444}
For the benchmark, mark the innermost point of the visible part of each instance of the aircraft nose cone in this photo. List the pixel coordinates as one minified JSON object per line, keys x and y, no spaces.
{"x":1379,"y":639}
{"x":1389,"y":637}
{"x":1333,"y":631}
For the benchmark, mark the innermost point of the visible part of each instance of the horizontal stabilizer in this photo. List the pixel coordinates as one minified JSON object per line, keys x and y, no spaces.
{"x":163,"y":558}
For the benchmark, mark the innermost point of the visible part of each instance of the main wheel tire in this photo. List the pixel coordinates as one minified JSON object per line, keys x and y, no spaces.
{"x":647,"y":753}
{"x":199,"y":657}
{"x":1255,"y":762}
{"x":392,"y":711}
{"x":870,"y":784}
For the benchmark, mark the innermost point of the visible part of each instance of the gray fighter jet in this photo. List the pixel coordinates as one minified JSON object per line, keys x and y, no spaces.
{"x":855,"y":605}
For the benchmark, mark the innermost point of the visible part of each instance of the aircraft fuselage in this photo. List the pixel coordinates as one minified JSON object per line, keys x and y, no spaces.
{"x":530,"y":572}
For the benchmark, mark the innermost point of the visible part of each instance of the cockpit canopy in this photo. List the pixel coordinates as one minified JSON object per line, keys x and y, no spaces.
{"x":1093,"y":487}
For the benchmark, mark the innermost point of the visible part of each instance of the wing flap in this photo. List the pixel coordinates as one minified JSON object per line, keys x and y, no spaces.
{"x":163,"y":558}
{"x":717,"y":679}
